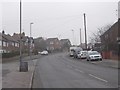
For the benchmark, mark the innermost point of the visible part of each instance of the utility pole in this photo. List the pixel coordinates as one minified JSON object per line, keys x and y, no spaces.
{"x":85,"y":31}
{"x":23,"y":65}
{"x":20,"y":37}
{"x":73,"y":35}
{"x":80,"y":37}
{"x":30,"y":38}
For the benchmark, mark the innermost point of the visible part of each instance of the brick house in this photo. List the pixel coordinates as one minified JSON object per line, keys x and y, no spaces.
{"x":8,"y":43}
{"x":40,"y":44}
{"x":53,"y":44}
{"x":65,"y":44}
{"x":109,"y":43}
{"x":25,"y":42}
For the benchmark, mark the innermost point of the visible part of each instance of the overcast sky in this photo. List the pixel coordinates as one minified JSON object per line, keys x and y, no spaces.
{"x":58,"y":18}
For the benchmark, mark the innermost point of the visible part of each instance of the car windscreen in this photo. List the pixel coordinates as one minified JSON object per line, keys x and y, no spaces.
{"x":93,"y":53}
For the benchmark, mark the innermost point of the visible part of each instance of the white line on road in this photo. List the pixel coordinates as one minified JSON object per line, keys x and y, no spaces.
{"x":79,"y":70}
{"x":98,"y":78}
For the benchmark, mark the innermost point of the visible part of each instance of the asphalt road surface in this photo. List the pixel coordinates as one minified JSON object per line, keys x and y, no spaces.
{"x":62,"y":71}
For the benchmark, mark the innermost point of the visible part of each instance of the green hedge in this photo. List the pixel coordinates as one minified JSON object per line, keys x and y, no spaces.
{"x":11,"y":54}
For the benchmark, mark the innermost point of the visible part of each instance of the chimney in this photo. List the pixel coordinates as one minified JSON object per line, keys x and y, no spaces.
{"x":3,"y":32}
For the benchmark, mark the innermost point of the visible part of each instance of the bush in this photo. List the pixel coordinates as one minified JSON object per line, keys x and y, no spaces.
{"x":11,"y":54}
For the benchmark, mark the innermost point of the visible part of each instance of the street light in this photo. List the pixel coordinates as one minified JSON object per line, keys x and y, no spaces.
{"x":80,"y":37}
{"x":20,"y":37}
{"x":30,"y":37}
{"x":23,"y":65}
{"x":73,"y":35}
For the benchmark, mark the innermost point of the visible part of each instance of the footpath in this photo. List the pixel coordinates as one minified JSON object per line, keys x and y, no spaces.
{"x":108,"y":63}
{"x":12,"y":78}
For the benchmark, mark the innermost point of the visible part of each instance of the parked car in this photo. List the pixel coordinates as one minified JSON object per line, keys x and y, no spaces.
{"x":71,"y":52}
{"x":74,"y":51}
{"x":93,"y":55}
{"x":82,"y":55}
{"x":44,"y":52}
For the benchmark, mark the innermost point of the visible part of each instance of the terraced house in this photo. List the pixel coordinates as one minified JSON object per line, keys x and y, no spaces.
{"x":8,"y":43}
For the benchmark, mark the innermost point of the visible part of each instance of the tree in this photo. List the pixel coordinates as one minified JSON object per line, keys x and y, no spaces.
{"x":96,"y":36}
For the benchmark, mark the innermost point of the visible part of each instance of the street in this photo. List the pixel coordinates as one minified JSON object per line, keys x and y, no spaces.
{"x":61,"y":71}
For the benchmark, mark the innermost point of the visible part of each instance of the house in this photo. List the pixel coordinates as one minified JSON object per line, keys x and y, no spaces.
{"x":109,"y":44}
{"x":40,"y":44}
{"x":53,"y":44}
{"x":65,"y":44}
{"x":8,"y":43}
{"x":25,"y":40}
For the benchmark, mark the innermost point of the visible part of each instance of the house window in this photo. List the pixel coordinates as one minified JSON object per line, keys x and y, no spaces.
{"x":12,"y":43}
{"x":16,"y":44}
{"x":51,"y":42}
{"x":7,"y":44}
{"x":0,"y":43}
{"x":4,"y":43}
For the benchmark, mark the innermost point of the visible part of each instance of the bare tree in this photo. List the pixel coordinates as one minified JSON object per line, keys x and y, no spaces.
{"x":96,"y":36}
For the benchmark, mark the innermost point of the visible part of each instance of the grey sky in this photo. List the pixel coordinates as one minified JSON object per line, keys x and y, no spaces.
{"x":57,"y":19}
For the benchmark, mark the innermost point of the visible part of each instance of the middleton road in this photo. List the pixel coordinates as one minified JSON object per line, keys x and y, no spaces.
{"x":62,"y":71}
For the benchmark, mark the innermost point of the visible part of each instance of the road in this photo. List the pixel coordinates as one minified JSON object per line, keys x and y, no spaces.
{"x":62,"y":71}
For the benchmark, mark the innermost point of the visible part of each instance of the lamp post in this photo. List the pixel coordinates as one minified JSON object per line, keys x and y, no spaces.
{"x":73,"y":36}
{"x":23,"y":65}
{"x":30,"y":37}
{"x":20,"y":37}
{"x":80,"y":37}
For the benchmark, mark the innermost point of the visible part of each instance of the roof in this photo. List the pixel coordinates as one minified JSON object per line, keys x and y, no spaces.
{"x":17,"y":37}
{"x":51,"y":39}
{"x":9,"y":37}
{"x":110,"y":29}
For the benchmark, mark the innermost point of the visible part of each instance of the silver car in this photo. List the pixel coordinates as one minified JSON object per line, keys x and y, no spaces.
{"x":93,"y":55}
{"x":82,"y":55}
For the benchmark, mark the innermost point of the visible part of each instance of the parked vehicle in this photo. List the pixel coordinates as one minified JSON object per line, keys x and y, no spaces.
{"x":93,"y":55}
{"x":71,"y":51}
{"x":82,"y":55}
{"x":44,"y":52}
{"x":74,"y":51}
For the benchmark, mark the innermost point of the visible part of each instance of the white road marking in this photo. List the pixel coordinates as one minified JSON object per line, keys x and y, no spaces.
{"x":79,"y":70}
{"x":98,"y":78}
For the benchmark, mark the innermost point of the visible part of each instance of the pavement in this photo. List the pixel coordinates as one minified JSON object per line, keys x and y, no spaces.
{"x":108,"y":63}
{"x":12,"y":78}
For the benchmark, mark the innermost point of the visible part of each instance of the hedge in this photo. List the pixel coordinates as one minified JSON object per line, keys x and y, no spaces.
{"x":11,"y":54}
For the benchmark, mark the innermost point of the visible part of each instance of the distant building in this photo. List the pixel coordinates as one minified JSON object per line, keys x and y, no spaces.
{"x":40,"y":44}
{"x":109,"y":44}
{"x":25,"y":42}
{"x":53,"y":44}
{"x":65,"y":44}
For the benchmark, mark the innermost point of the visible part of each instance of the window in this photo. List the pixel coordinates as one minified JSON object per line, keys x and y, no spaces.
{"x":0,"y":43}
{"x":12,"y":43}
{"x":7,"y":44}
{"x":4,"y":43}
{"x":16,"y":44}
{"x":51,"y":42}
